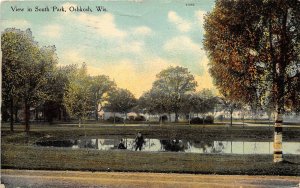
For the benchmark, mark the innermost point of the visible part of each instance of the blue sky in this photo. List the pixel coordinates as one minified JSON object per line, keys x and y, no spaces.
{"x":131,"y":41}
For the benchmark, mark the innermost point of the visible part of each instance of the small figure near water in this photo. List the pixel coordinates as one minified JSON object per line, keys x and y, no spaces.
{"x":139,"y":141}
{"x":121,"y":145}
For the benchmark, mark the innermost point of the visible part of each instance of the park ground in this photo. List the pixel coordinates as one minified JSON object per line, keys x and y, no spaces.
{"x":19,"y":152}
{"x":38,"y":178}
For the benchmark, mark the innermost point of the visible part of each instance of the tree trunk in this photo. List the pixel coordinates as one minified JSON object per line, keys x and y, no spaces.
{"x":176,"y":117}
{"x":125,"y":118}
{"x":114,"y":118}
{"x":27,"y":117}
{"x":231,"y":111}
{"x":277,"y":145}
{"x":96,"y":112}
{"x":11,"y":115}
{"x":159,"y":119}
{"x":16,"y":114}
{"x":59,"y":113}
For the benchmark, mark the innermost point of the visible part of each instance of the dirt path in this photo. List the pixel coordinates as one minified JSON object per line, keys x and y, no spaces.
{"x":30,"y":178}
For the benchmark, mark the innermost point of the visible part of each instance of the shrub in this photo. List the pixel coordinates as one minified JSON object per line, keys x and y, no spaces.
{"x":130,"y":118}
{"x":163,"y":118}
{"x":117,"y":119}
{"x":207,"y":120}
{"x":140,"y":118}
{"x":196,"y":120}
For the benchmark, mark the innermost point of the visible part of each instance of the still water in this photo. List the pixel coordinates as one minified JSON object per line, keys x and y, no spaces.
{"x":188,"y":146}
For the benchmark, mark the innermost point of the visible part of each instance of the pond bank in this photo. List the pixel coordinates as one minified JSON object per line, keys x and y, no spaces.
{"x":29,"y":157}
{"x":19,"y":152}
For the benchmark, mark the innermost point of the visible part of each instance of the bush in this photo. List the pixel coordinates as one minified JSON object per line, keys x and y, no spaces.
{"x":130,"y":118}
{"x":117,"y":119}
{"x":207,"y":120}
{"x":140,"y":118}
{"x":163,"y":118}
{"x":196,"y":120}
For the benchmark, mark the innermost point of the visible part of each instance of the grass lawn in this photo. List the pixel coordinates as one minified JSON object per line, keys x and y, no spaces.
{"x":18,"y":151}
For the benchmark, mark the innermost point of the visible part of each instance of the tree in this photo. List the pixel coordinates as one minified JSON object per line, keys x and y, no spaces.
{"x":13,"y":41}
{"x":57,"y":84}
{"x":101,"y":85}
{"x":154,"y":101}
{"x":201,"y":102}
{"x":229,"y":106}
{"x":206,"y":102}
{"x":25,"y":69}
{"x":253,"y":47}
{"x":174,"y":83}
{"x":78,"y":97}
{"x":121,"y":100}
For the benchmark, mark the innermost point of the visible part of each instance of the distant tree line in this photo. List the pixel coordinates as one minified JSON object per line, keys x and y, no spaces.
{"x":33,"y":81}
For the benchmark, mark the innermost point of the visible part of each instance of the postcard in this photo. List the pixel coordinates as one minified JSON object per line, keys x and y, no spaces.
{"x":139,"y":93}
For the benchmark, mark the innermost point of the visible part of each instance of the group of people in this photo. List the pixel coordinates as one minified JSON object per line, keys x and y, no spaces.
{"x":139,"y":141}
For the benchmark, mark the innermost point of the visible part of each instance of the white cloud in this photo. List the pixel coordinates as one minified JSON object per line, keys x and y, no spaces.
{"x":72,"y":56}
{"x":142,"y":31}
{"x":20,"y":24}
{"x":200,"y":19}
{"x":204,"y":80}
{"x":52,"y":31}
{"x":181,"y":24}
{"x":129,"y":47}
{"x":103,"y":24}
{"x":182,"y":43}
{"x":200,"y":16}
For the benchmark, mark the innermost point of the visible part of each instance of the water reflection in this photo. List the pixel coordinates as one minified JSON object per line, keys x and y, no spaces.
{"x":176,"y":145}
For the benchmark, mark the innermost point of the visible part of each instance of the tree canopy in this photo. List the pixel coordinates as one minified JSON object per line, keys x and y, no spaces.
{"x":253,"y":48}
{"x":78,"y":97}
{"x":174,"y":83}
{"x":25,"y":67}
{"x":121,"y":100}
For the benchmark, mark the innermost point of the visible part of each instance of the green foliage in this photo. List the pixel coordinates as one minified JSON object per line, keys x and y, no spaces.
{"x":173,"y":92}
{"x":78,"y":97}
{"x":172,"y":84}
{"x":101,"y":85}
{"x":200,"y":102}
{"x":154,"y":102}
{"x":253,"y":48}
{"x":207,"y":120}
{"x":25,"y":67}
{"x":121,"y":100}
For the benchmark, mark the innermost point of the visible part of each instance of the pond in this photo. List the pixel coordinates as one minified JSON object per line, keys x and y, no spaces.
{"x":188,"y":146}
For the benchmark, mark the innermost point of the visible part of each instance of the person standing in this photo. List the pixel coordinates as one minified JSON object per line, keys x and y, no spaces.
{"x":139,"y":141}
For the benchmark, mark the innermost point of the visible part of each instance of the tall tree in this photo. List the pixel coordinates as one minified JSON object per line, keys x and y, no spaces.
{"x":253,"y":48}
{"x":121,"y":100}
{"x":154,"y":102}
{"x":206,"y":102}
{"x":58,"y":83}
{"x":78,"y":97}
{"x":13,"y":43}
{"x":100,"y":87}
{"x":174,"y":83}
{"x":25,"y":70}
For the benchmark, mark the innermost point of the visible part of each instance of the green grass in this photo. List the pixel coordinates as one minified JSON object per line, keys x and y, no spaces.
{"x":28,"y":157}
{"x":19,"y":152}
